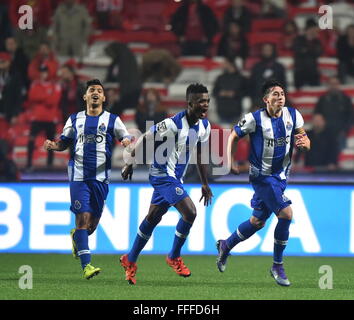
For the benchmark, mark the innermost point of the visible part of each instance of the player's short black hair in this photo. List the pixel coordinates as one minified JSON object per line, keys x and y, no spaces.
{"x":269,"y":84}
{"x":195,"y":88}
{"x":94,"y":82}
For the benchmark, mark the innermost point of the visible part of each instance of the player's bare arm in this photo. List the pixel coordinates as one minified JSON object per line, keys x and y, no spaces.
{"x":302,"y":141}
{"x":59,"y":145}
{"x":202,"y":171}
{"x":127,"y":170}
{"x":231,"y":150}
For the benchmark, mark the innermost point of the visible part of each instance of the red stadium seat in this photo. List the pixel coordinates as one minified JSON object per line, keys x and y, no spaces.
{"x":266,"y":25}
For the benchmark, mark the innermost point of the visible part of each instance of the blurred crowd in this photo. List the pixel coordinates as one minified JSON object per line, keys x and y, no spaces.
{"x":41,"y":83}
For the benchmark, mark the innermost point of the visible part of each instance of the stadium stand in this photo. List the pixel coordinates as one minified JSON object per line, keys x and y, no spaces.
{"x":147,"y":27}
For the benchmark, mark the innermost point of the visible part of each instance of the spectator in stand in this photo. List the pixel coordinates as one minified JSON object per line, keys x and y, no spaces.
{"x":72,"y":91}
{"x":5,"y":25}
{"x":337,"y":110}
{"x":124,"y":71}
{"x":233,"y":43}
{"x":45,"y":56}
{"x":323,"y":155}
{"x":266,"y":68}
{"x":290,"y":32}
{"x":109,"y":14}
{"x":158,"y":65}
{"x":150,"y":109}
{"x":238,"y":12}
{"x":19,"y":60}
{"x":345,"y":53}
{"x":272,"y":9}
{"x":71,"y":29}
{"x":195,"y":25}
{"x":12,"y":89}
{"x":307,"y":49}
{"x":30,"y":39}
{"x":8,"y":168}
{"x":43,"y":104}
{"x":229,"y":89}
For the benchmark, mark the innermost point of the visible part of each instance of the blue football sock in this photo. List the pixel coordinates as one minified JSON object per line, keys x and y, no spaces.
{"x":243,"y":232}
{"x":281,"y":236}
{"x":143,"y":236}
{"x":83,"y":251}
{"x":181,"y":234}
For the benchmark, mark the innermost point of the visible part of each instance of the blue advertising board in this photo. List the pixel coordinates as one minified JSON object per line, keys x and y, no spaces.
{"x":35,"y":217}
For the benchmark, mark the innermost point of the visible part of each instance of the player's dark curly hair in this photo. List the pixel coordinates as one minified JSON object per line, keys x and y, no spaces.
{"x":195,"y":88}
{"x":94,"y":82}
{"x":269,"y":84}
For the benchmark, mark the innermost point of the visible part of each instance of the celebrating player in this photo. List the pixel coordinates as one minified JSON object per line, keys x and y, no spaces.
{"x":91,"y":135}
{"x":186,"y":130}
{"x":273,"y":131}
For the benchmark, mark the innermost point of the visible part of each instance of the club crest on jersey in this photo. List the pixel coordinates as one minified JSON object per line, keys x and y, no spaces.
{"x":77,"y":204}
{"x":179,"y":191}
{"x":161,"y":127}
{"x":102,"y":127}
{"x":288,"y":126}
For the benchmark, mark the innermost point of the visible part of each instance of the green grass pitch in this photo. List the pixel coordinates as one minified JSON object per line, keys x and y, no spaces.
{"x":59,"y":277}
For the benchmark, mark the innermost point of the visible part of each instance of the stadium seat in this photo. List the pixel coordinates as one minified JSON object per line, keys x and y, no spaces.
{"x":266,"y":25}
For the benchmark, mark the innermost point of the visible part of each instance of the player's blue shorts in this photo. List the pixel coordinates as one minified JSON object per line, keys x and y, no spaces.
{"x":268,"y":197}
{"x":167,"y":191}
{"x":88,"y":196}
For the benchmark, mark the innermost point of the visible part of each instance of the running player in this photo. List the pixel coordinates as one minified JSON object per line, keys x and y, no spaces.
{"x":91,"y":135}
{"x":273,"y":131}
{"x":186,"y":130}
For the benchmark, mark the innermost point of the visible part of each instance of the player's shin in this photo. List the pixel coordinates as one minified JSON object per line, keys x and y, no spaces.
{"x":182,"y":231}
{"x":143,"y":236}
{"x":83,"y":251}
{"x":243,"y":232}
{"x":281,"y":236}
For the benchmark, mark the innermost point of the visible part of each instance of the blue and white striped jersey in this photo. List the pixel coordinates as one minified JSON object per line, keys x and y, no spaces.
{"x":172,"y":155}
{"x":272,"y":141}
{"x":92,"y":140}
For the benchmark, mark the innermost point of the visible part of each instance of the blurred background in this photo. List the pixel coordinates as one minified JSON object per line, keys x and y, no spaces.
{"x":147,"y":52}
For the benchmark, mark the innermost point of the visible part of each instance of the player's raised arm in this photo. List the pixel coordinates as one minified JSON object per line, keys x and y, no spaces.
{"x":302,"y":141}
{"x":231,"y":150}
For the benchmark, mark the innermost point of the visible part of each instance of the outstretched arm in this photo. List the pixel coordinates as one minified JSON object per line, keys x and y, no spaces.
{"x":203,"y":174}
{"x":231,"y":149}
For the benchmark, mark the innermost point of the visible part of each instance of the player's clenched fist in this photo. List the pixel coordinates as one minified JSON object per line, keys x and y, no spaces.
{"x":50,"y":145}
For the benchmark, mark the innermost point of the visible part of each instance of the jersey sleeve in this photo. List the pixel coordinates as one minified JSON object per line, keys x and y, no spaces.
{"x":299,"y":120}
{"x":120,"y":131}
{"x":68,"y":133}
{"x":165,"y":128}
{"x":246,"y":125}
{"x":206,"y":135}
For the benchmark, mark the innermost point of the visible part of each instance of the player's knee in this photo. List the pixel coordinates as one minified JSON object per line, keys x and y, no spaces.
{"x":259,"y":224}
{"x":286,"y":213}
{"x":191,"y":214}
